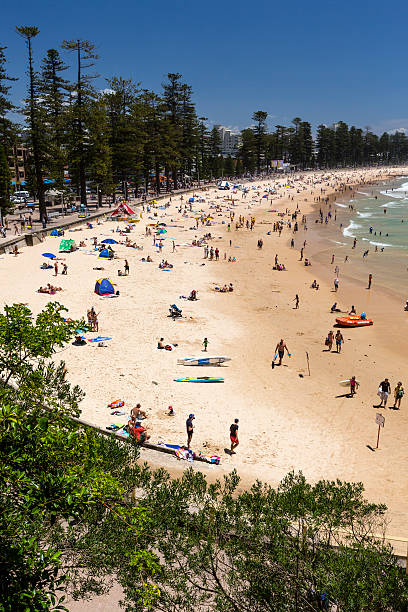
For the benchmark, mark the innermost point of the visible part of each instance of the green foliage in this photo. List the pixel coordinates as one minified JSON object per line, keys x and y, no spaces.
{"x":67,"y":519}
{"x":5,"y":184}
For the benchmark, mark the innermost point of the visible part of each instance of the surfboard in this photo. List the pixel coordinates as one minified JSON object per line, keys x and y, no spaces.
{"x":346,"y":383}
{"x":202,"y":361}
{"x":200,"y":379}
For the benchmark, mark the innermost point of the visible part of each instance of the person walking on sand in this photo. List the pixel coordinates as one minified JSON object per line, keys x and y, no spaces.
{"x":329,"y":340}
{"x":234,"y":435}
{"x":383,"y":391}
{"x":336,"y":284}
{"x":280,"y":351}
{"x":296,"y":300}
{"x":126,"y":267}
{"x":353,"y":386}
{"x":339,"y":341}
{"x":205,"y":344}
{"x":398,"y":394}
{"x":56,"y":269}
{"x":190,"y":429}
{"x":370,"y":278}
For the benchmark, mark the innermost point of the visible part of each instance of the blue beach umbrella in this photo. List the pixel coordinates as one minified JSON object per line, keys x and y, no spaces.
{"x":50,"y":255}
{"x":109,"y":241}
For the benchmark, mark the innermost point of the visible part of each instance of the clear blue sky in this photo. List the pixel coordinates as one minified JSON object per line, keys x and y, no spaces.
{"x":321,"y":60}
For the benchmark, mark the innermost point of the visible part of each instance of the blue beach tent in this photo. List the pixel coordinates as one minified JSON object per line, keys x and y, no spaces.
{"x":105,"y":254}
{"x":56,"y":232}
{"x":103,"y":286}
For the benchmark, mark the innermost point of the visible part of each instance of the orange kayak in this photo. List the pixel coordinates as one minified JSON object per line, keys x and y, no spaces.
{"x":353,"y":321}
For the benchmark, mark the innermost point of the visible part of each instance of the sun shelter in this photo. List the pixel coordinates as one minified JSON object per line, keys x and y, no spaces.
{"x":123,"y":210}
{"x":66,"y":246}
{"x":105,"y":254}
{"x":57,"y":232}
{"x":103,"y":286}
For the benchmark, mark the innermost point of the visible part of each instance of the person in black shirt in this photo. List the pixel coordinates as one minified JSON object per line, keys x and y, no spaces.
{"x":190,"y":429}
{"x":234,"y":435}
{"x":384,"y":391}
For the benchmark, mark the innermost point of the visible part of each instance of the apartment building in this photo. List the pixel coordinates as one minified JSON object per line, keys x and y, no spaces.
{"x":230,"y":141}
{"x":17,"y":163}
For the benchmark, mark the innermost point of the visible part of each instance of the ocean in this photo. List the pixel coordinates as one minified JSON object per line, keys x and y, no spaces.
{"x":378,"y":221}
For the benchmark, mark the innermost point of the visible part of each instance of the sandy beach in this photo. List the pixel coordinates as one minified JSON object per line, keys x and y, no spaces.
{"x":288,"y":420}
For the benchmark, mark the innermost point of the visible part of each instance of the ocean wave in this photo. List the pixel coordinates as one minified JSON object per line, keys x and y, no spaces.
{"x":394,"y":194}
{"x":363,"y":193}
{"x":341,"y":205}
{"x":392,"y":205}
{"x":347,"y":231}
{"x":364,"y":215}
{"x":380,"y":244}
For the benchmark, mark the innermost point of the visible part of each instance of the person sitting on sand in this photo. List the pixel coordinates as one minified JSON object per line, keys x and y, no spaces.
{"x":45,"y":266}
{"x":79,"y":341}
{"x":193,"y":295}
{"x":160,"y":344}
{"x":137,"y":413}
{"x":16,"y":251}
{"x":139,"y":432}
{"x":82,"y":244}
{"x":231,"y":287}
{"x":352,"y":311}
{"x":334,"y":308}
{"x":308,"y":262}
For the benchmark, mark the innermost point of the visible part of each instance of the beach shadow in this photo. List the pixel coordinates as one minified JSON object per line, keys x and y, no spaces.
{"x":343,"y":395}
{"x":227,"y":451}
{"x":371,"y":448}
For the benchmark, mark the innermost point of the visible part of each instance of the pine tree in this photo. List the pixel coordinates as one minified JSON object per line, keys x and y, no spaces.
{"x":7,"y":128}
{"x":248,"y":150}
{"x":84,"y":94}
{"x":214,"y":153}
{"x":229,"y":166}
{"x":173,"y":96}
{"x":35,"y":119}
{"x":53,"y":90}
{"x":5,"y":184}
{"x":124,"y":142}
{"x":260,"y":131}
{"x":99,"y":151}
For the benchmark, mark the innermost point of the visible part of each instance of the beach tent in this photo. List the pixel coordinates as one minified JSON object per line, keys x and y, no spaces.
{"x":66,"y":246}
{"x":105,"y":254}
{"x":223,"y":185}
{"x":103,"y":286}
{"x":56,"y":232}
{"x":109,"y":241}
{"x":123,"y":210}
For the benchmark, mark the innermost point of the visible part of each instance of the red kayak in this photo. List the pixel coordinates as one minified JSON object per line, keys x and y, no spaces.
{"x":353,"y":321}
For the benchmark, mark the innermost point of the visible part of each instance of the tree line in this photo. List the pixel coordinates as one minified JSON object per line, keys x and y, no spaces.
{"x":77,"y":510}
{"x":127,"y":135}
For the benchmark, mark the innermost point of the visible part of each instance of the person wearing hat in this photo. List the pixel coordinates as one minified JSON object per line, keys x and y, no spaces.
{"x":234,"y":435}
{"x":190,"y":429}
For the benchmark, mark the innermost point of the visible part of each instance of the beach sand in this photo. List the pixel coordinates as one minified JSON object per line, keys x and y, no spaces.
{"x":288,"y":420}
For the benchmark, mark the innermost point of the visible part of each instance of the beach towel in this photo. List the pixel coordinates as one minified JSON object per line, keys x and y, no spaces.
{"x":116,"y":404}
{"x":99,"y":339}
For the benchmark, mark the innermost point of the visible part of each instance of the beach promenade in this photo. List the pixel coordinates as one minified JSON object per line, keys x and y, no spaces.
{"x":288,"y":419}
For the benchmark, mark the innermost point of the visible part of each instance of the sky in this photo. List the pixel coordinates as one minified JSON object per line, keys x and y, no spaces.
{"x":323,"y":61}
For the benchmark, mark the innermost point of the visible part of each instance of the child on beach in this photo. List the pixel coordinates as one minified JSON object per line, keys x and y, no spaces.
{"x":205,"y":344}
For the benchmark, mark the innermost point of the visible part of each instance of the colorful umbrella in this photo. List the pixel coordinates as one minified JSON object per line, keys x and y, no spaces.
{"x":109,"y":241}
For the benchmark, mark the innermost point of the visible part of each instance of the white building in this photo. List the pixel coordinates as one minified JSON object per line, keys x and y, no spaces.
{"x":230,"y":141}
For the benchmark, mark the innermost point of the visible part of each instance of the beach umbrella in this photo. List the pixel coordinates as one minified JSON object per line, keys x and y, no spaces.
{"x":50,"y":255}
{"x":191,"y":200}
{"x":109,"y":241}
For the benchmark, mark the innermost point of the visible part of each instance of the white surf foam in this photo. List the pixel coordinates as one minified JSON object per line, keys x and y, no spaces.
{"x":364,"y":215}
{"x":349,"y":230}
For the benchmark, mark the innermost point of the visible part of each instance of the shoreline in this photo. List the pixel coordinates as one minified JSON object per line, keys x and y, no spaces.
{"x":286,"y":421}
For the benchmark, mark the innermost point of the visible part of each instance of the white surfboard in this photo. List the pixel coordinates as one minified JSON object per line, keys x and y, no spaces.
{"x":346,"y":383}
{"x":202,"y":361}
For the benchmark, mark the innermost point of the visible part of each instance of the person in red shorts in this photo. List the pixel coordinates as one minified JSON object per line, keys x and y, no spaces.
{"x":234,"y":435}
